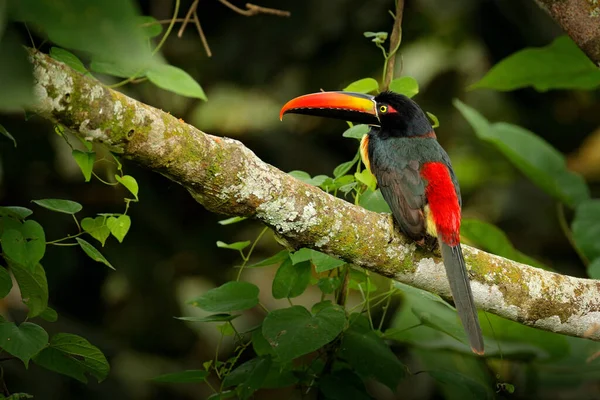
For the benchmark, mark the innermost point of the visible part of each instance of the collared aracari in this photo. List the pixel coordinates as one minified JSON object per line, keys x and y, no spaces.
{"x":415,"y":177}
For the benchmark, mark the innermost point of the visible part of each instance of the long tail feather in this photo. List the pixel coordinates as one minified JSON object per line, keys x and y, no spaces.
{"x":462,"y":294}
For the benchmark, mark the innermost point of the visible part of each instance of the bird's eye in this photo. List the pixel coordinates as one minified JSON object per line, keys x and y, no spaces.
{"x":383,"y":109}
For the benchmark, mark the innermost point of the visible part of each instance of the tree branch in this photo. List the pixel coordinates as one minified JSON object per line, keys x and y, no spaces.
{"x":580,"y":19}
{"x":226,"y":177}
{"x":395,"y":38}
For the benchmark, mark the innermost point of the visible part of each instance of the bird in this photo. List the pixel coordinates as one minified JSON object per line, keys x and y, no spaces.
{"x":415,"y":176}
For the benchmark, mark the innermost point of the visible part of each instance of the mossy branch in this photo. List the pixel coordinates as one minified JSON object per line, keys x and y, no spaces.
{"x":226,"y":177}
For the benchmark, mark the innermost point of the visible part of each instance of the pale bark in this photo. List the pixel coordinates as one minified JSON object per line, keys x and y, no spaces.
{"x":226,"y":177}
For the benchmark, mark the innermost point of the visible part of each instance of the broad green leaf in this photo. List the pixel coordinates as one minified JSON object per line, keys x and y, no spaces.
{"x":26,"y":245}
{"x":97,"y":228}
{"x":368,"y":353}
{"x":119,"y":226}
{"x":189,"y":376}
{"x":149,"y":25}
{"x":374,"y":201}
{"x":539,"y":161}
{"x":560,"y":65}
{"x":211,"y":318}
{"x":117,"y":69}
{"x":231,"y":296}
{"x":324,"y":262}
{"x":329,"y":285}
{"x":276,"y":259}
{"x":49,"y":314}
{"x":469,"y":387}
{"x":594,"y":269}
{"x":366,"y":178}
{"x":15,"y":212}
{"x":58,"y":205}
{"x":294,"y":331}
{"x":23,"y":341}
{"x":16,"y":74}
{"x":232,"y":220}
{"x":14,"y":245}
{"x":366,"y":85}
{"x":259,"y":343}
{"x":291,"y":280}
{"x":233,"y":246}
{"x":356,"y":131}
{"x":5,"y":282}
{"x":85,"y":161}
{"x":130,"y":183}
{"x":33,"y":285}
{"x":4,"y":132}
{"x":68,"y":58}
{"x":249,"y":376}
{"x":73,"y":356}
{"x":343,"y":168}
{"x":175,"y":80}
{"x":491,"y":239}
{"x":93,"y":253}
{"x":304,"y":254}
{"x":280,"y":376}
{"x":107,"y":30}
{"x":406,"y":85}
{"x":586,"y":228}
{"x":343,"y":385}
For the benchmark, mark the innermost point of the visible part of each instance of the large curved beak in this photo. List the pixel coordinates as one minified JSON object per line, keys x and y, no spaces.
{"x":349,"y":106}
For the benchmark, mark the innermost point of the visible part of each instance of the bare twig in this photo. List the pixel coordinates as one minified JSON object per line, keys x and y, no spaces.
{"x":252,"y":9}
{"x":187,"y":18}
{"x":202,"y":36}
{"x":395,"y":39}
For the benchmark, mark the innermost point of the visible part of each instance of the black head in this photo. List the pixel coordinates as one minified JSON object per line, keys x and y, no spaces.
{"x":399,"y":116}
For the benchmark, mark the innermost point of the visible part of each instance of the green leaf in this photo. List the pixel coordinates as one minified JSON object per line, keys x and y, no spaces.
{"x":68,"y":58}
{"x":539,"y":161}
{"x":8,"y":135}
{"x":175,"y":80}
{"x":406,"y":85}
{"x":211,"y":318}
{"x":304,"y":254}
{"x":226,"y":329}
{"x":343,"y":168}
{"x":58,"y":205}
{"x":434,"y":119}
{"x":374,"y":201}
{"x":356,"y":131}
{"x":302,"y":176}
{"x":33,"y":285}
{"x":470,"y":387}
{"x":276,"y":259}
{"x":594,"y":269}
{"x":291,"y":280}
{"x":560,"y":65}
{"x":86,"y":161}
{"x":5,"y":282}
{"x":358,"y":281}
{"x":343,"y":385}
{"x":491,"y":239}
{"x":49,"y":314}
{"x":232,"y":220}
{"x":369,"y":355}
{"x":189,"y":376}
{"x":233,"y":246}
{"x":231,"y":296}
{"x":23,"y":341}
{"x":130,"y":183}
{"x":16,"y":74}
{"x":119,"y":226}
{"x":26,"y":245}
{"x":149,"y":25}
{"x":280,"y":376}
{"x":73,"y":356}
{"x":117,"y":69}
{"x":366,"y":85}
{"x":294,"y":331}
{"x":329,"y":285}
{"x":586,"y":228}
{"x":224,"y":395}
{"x":15,"y":212}
{"x":249,"y":376}
{"x":259,"y":343}
{"x":324,"y":262}
{"x":97,"y":228}
{"x":93,"y":253}
{"x":366,"y":178}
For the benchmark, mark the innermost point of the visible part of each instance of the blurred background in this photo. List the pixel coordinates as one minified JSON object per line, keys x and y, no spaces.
{"x":258,"y":63}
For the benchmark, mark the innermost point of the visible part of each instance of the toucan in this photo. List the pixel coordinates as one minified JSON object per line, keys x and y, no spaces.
{"x":415,"y":176}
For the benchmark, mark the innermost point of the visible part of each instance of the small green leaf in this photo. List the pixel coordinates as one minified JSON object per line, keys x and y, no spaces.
{"x":119,"y":226}
{"x":406,"y":85}
{"x":303,"y":254}
{"x":249,"y":376}
{"x":366,"y":178}
{"x":8,"y":135}
{"x":560,"y":65}
{"x":224,"y":395}
{"x":276,"y":259}
{"x":586,"y":228}
{"x":294,"y":331}
{"x":301,"y":176}
{"x":175,"y":80}
{"x":594,"y":269}
{"x":233,"y":246}
{"x":49,"y":314}
{"x":23,"y":341}
{"x":434,"y":119}
{"x":189,"y":376}
{"x":356,"y":131}
{"x":97,"y":228}
{"x":86,"y":161}
{"x":93,"y":253}
{"x":68,"y":58}
{"x":374,"y":201}
{"x":324,"y":262}
{"x":73,"y":356}
{"x":130,"y":183}
{"x":33,"y":285}
{"x":58,"y":205}
{"x":231,"y":296}
{"x":232,"y":220}
{"x":211,"y":318}
{"x":149,"y":25}
{"x":291,"y":280}
{"x":226,"y":329}
{"x":358,"y":281}
{"x":5,"y":282}
{"x":15,"y":212}
{"x":366,"y":85}
{"x":343,"y":168}
{"x":378,"y":37}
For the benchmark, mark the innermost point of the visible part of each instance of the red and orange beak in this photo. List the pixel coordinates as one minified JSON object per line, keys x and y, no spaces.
{"x":355,"y":107}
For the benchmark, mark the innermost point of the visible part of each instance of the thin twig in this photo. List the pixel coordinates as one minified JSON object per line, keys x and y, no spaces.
{"x":201,"y":33}
{"x":187,"y":18}
{"x":252,"y":9}
{"x":395,"y":39}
